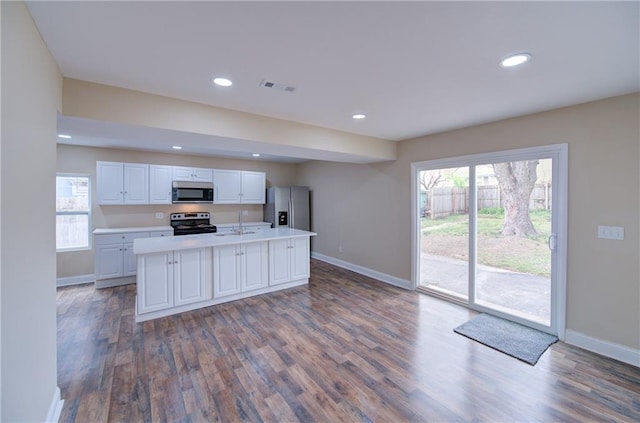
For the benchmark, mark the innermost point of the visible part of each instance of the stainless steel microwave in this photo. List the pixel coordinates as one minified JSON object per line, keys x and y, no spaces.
{"x":191,"y":192}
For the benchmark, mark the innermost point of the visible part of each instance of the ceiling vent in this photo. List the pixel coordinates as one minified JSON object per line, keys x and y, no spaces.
{"x":277,"y":86}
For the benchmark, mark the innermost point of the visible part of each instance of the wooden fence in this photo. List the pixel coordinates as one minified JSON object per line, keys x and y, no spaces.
{"x":445,"y":201}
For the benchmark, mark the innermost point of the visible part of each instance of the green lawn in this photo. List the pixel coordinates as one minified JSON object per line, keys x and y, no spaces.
{"x":447,"y":236}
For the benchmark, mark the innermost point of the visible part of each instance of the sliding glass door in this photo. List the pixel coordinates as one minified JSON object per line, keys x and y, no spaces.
{"x":444,"y":253}
{"x":487,"y":232}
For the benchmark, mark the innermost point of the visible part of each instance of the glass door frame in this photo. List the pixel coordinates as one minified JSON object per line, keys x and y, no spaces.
{"x":559,"y":196}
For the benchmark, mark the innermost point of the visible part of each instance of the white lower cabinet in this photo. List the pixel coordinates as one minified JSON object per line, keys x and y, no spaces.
{"x":175,"y":278}
{"x":288,"y":260}
{"x":240,"y":268}
{"x":114,"y":256}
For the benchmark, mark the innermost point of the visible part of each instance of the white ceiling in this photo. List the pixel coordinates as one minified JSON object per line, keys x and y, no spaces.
{"x":414,"y":68}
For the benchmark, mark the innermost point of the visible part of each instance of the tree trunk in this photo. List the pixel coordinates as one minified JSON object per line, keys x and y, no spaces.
{"x":517,"y":180}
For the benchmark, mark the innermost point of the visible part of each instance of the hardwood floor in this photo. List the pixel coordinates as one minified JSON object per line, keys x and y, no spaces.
{"x":345,"y":348}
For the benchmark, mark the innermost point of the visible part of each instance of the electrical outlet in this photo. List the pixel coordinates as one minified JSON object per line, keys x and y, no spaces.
{"x":340,"y":248}
{"x":159,"y":215}
{"x":245,"y":212}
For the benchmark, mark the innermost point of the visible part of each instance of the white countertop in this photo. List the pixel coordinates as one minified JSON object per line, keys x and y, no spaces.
{"x":235,"y":225}
{"x":106,"y":231}
{"x":184,"y":242}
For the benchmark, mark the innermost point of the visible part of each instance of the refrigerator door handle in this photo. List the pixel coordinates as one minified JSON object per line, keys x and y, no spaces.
{"x":291,"y":210}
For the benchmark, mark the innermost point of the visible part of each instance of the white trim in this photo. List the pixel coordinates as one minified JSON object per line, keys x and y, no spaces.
{"x":609,"y":349}
{"x":76,"y":280}
{"x":560,"y":204}
{"x":87,"y":212}
{"x":382,"y":277}
{"x":111,"y":282}
{"x":55,"y":409}
{"x":529,"y":153}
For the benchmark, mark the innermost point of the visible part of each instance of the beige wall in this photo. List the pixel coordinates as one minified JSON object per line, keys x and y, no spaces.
{"x":74,"y":159}
{"x":31,"y":97}
{"x":366,"y":208}
{"x":111,"y":104}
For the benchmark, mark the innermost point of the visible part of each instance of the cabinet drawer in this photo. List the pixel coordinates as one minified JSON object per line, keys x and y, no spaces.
{"x":119,"y":238}
{"x":158,"y":234}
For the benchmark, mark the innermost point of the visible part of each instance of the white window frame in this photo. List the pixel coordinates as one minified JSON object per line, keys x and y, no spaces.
{"x":560,"y":203}
{"x":74,"y":213}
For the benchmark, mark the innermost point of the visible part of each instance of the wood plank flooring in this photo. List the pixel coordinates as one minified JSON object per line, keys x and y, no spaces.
{"x":344,"y":349}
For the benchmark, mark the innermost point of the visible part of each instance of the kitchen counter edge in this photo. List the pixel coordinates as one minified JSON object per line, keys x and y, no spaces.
{"x":158,"y":245}
{"x":107,"y":231}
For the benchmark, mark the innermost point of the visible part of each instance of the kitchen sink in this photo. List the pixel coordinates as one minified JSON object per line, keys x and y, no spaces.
{"x":235,"y":233}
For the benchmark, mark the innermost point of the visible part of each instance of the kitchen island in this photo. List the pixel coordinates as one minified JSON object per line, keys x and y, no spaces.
{"x":182,"y":273}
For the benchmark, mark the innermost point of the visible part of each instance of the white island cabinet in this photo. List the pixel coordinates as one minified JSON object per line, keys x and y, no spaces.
{"x":184,"y":273}
{"x":288,"y":260}
{"x":240,"y":268}
{"x":173,"y":278}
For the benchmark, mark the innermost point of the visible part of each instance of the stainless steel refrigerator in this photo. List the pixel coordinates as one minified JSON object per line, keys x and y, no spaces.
{"x":288,"y":207}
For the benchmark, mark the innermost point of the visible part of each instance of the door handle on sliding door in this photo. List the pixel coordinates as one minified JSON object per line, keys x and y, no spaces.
{"x":552,"y":242}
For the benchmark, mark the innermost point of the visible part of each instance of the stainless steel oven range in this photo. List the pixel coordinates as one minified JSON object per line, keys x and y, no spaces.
{"x":191,"y":223}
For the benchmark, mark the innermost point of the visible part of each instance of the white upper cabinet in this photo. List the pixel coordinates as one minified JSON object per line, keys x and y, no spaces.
{"x":238,"y":187}
{"x":122,"y":183}
{"x":254,"y":188}
{"x":110,"y":180}
{"x":136,"y":183}
{"x":194,"y":174}
{"x":227,"y":185}
{"x":160,"y":178}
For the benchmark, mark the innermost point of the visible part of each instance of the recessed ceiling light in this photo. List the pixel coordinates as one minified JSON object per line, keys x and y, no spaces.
{"x":177,"y":147}
{"x":64,"y":136}
{"x":256,"y":154}
{"x":358,"y":116}
{"x":222,"y":82}
{"x":515,"y":60}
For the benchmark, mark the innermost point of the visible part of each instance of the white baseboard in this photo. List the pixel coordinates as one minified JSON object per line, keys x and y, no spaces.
{"x":382,"y":277}
{"x":110,"y":283}
{"x":609,"y":349}
{"x":76,"y":280}
{"x":55,"y":409}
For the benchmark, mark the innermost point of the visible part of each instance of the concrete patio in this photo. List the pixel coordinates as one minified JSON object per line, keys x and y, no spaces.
{"x":522,"y":294}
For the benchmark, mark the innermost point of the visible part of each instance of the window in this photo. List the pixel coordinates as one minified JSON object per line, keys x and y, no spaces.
{"x":73,"y":212}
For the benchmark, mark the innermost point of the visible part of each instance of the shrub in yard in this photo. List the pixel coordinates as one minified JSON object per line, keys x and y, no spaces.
{"x":492,"y":211}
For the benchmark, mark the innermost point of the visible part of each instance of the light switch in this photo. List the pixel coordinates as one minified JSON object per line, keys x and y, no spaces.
{"x":611,"y":232}
{"x":617,"y":232}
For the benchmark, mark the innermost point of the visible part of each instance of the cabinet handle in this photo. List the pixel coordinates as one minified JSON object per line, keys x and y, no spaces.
{"x":175,"y":262}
